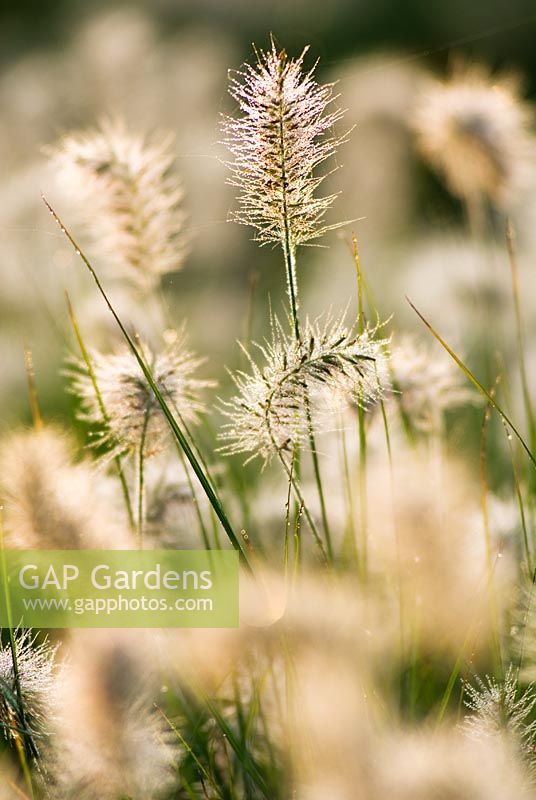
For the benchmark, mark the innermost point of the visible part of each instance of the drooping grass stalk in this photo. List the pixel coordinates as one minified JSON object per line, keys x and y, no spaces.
{"x":23,"y":742}
{"x":91,"y":373}
{"x":37,"y":419}
{"x":202,"y":476}
{"x":467,"y":372}
{"x":293,"y":477}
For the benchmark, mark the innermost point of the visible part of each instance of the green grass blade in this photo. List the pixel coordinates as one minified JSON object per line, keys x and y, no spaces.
{"x":483,"y":391}
{"x":191,"y":753}
{"x":177,"y":432}
{"x":32,"y":389}
{"x":241,"y":752}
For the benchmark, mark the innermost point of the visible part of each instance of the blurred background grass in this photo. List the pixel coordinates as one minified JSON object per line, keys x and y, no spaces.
{"x":499,"y":31}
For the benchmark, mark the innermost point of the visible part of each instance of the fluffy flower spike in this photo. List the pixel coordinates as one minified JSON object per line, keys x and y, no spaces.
{"x":36,"y":665}
{"x":331,"y":366}
{"x":502,"y":710}
{"x":131,"y":197}
{"x":428,"y":386}
{"x":278,"y":142}
{"x":133,"y":417}
{"x":473,"y":130}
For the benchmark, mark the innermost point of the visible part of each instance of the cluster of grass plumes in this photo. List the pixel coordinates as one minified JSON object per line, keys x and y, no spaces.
{"x":387,"y":635}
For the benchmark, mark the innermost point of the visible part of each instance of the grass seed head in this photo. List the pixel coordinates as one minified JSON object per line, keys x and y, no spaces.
{"x":131,"y":199}
{"x":132,"y":415}
{"x":110,"y":741}
{"x":37,"y":676}
{"x":473,"y":129}
{"x":501,"y":710}
{"x":278,"y":141}
{"x":330,"y":366}
{"x":429,"y":384}
{"x":50,"y":496}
